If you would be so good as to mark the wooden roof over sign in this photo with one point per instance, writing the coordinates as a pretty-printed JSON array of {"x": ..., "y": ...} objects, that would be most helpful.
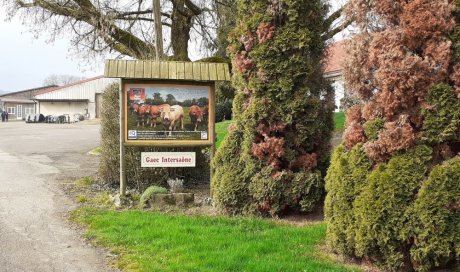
[{"x": 173, "y": 70}]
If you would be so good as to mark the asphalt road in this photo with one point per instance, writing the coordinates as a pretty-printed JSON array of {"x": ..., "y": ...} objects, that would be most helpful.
[{"x": 34, "y": 232}]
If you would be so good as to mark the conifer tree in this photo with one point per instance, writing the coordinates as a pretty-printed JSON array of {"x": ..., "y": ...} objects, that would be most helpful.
[
  {"x": 273, "y": 158},
  {"x": 394, "y": 185}
]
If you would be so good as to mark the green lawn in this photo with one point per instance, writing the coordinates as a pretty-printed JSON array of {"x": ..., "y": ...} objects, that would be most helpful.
[
  {"x": 221, "y": 131},
  {"x": 147, "y": 241},
  {"x": 221, "y": 128},
  {"x": 339, "y": 120}
]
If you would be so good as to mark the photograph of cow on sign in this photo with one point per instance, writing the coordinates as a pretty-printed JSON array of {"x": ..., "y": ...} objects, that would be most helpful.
[{"x": 167, "y": 112}]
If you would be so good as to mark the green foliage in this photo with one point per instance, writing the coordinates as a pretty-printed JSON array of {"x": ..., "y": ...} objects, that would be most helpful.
[
  {"x": 403, "y": 211},
  {"x": 382, "y": 209},
  {"x": 81, "y": 199},
  {"x": 109, "y": 163},
  {"x": 282, "y": 110},
  {"x": 391, "y": 213},
  {"x": 372, "y": 128},
  {"x": 224, "y": 111},
  {"x": 436, "y": 218},
  {"x": 224, "y": 92},
  {"x": 149, "y": 192},
  {"x": 455, "y": 35},
  {"x": 85, "y": 181},
  {"x": 344, "y": 181},
  {"x": 269, "y": 193},
  {"x": 102, "y": 199},
  {"x": 442, "y": 117},
  {"x": 148, "y": 241}
]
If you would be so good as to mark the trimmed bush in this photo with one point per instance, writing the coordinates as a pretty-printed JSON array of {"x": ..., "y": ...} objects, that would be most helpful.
[
  {"x": 382, "y": 209},
  {"x": 344, "y": 181},
  {"x": 401, "y": 212},
  {"x": 277, "y": 149},
  {"x": 436, "y": 219}
]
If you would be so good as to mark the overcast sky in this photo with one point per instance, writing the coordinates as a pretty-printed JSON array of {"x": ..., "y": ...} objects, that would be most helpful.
[{"x": 25, "y": 62}]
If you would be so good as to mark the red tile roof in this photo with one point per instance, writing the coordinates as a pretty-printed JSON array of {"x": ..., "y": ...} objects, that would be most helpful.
[{"x": 335, "y": 58}]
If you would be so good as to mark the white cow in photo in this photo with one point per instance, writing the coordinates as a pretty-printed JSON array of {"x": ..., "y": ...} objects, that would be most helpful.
[{"x": 173, "y": 115}]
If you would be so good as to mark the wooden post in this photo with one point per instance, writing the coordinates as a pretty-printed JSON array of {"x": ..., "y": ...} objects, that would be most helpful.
[
  {"x": 212, "y": 150},
  {"x": 158, "y": 30},
  {"x": 122, "y": 145}
]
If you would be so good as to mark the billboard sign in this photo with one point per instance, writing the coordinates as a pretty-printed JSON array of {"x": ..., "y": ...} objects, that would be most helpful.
[{"x": 169, "y": 114}]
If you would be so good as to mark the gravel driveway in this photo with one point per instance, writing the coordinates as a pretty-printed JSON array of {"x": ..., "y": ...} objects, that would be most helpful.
[{"x": 34, "y": 233}]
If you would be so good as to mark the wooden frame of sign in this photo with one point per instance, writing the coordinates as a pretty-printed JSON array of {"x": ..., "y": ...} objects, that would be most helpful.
[
  {"x": 144, "y": 83},
  {"x": 152, "y": 130}
]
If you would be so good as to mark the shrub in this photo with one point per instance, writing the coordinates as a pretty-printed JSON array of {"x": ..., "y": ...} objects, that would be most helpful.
[
  {"x": 401, "y": 211},
  {"x": 85, "y": 181},
  {"x": 382, "y": 209},
  {"x": 149, "y": 192},
  {"x": 441, "y": 118},
  {"x": 273, "y": 157},
  {"x": 373, "y": 127},
  {"x": 224, "y": 111},
  {"x": 344, "y": 181},
  {"x": 436, "y": 219}
]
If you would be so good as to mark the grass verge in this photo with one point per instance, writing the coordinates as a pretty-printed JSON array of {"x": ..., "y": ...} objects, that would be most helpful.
[
  {"x": 339, "y": 120},
  {"x": 148, "y": 241}
]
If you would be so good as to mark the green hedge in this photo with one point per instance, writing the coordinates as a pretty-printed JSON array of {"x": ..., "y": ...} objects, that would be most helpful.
[{"x": 400, "y": 214}]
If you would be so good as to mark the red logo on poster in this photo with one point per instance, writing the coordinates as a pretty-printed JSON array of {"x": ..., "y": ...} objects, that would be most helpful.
[{"x": 137, "y": 95}]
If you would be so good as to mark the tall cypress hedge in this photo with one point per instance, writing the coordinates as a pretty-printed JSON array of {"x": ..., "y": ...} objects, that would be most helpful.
[
  {"x": 393, "y": 187},
  {"x": 277, "y": 150}
]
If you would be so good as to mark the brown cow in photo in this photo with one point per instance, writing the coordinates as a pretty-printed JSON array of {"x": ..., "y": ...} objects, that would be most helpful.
[
  {"x": 196, "y": 115},
  {"x": 134, "y": 108},
  {"x": 205, "y": 111},
  {"x": 142, "y": 113},
  {"x": 155, "y": 113}
]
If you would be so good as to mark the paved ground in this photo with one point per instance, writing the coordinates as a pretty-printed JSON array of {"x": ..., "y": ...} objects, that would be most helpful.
[{"x": 34, "y": 233}]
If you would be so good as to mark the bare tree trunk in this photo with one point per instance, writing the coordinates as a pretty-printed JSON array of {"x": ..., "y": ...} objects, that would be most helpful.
[
  {"x": 158, "y": 30},
  {"x": 180, "y": 30}
]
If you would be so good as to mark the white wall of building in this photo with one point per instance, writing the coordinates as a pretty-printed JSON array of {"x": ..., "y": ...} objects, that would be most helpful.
[
  {"x": 68, "y": 98},
  {"x": 59, "y": 108}
]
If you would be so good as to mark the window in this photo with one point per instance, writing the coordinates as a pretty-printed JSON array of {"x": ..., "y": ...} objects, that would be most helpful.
[
  {"x": 29, "y": 111},
  {"x": 11, "y": 110}
]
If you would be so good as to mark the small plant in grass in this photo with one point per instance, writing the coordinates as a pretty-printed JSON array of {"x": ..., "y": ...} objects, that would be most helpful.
[
  {"x": 81, "y": 199},
  {"x": 149, "y": 192},
  {"x": 176, "y": 185},
  {"x": 102, "y": 199},
  {"x": 96, "y": 152},
  {"x": 85, "y": 181}
]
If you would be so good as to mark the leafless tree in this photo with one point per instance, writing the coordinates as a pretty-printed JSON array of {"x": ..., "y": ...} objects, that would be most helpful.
[
  {"x": 126, "y": 27},
  {"x": 60, "y": 79}
]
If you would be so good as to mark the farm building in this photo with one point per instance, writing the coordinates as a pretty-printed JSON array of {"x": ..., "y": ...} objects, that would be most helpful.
[
  {"x": 334, "y": 70},
  {"x": 20, "y": 104},
  {"x": 82, "y": 97}
]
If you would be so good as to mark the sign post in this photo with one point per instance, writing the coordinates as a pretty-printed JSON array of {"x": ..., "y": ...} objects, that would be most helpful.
[
  {"x": 122, "y": 149},
  {"x": 166, "y": 104}
]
